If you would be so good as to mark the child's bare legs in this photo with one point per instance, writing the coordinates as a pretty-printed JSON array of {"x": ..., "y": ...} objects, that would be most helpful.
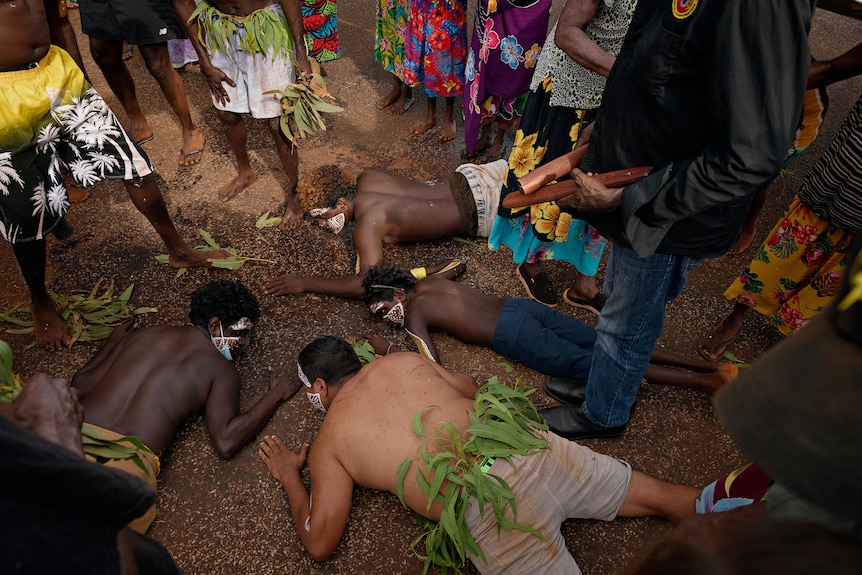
[
  {"x": 447, "y": 131},
  {"x": 429, "y": 121},
  {"x": 236, "y": 138},
  {"x": 290, "y": 162}
]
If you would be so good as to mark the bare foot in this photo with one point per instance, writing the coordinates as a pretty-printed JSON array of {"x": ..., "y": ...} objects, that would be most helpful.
[
  {"x": 423, "y": 126},
  {"x": 447, "y": 132},
  {"x": 389, "y": 98},
  {"x": 404, "y": 102},
  {"x": 141, "y": 134},
  {"x": 745, "y": 238},
  {"x": 77, "y": 195},
  {"x": 236, "y": 185},
  {"x": 51, "y": 332},
  {"x": 192, "y": 150},
  {"x": 292, "y": 214},
  {"x": 712, "y": 346},
  {"x": 192, "y": 258},
  {"x": 279, "y": 460},
  {"x": 495, "y": 150}
]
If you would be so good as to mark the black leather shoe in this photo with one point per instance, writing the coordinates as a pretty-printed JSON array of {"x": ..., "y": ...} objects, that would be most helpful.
[
  {"x": 571, "y": 390},
  {"x": 570, "y": 422}
]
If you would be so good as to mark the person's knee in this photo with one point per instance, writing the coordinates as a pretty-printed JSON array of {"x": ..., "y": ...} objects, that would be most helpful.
[
  {"x": 230, "y": 119},
  {"x": 157, "y": 60},
  {"x": 106, "y": 54}
]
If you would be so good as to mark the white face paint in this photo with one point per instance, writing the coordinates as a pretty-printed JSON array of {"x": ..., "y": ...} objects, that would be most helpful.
[
  {"x": 226, "y": 344},
  {"x": 334, "y": 224},
  {"x": 313, "y": 398},
  {"x": 395, "y": 314}
]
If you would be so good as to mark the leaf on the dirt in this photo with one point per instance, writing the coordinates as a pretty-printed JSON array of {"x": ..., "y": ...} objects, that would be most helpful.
[
  {"x": 265, "y": 221},
  {"x": 364, "y": 351},
  {"x": 733, "y": 359},
  {"x": 466, "y": 241},
  {"x": 507, "y": 366}
]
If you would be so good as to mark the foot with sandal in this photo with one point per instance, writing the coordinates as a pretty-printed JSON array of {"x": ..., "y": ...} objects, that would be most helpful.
[
  {"x": 713, "y": 345},
  {"x": 583, "y": 293}
]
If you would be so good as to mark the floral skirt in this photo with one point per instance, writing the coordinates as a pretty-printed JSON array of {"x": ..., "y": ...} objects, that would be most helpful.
[
  {"x": 545, "y": 231},
  {"x": 797, "y": 271},
  {"x": 390, "y": 34}
]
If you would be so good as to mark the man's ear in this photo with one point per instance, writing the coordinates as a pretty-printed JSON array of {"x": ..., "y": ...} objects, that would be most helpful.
[
  {"x": 213, "y": 327},
  {"x": 342, "y": 204},
  {"x": 320, "y": 386}
]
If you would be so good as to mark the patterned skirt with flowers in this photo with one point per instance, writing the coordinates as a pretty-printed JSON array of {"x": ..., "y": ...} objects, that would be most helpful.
[
  {"x": 320, "y": 24},
  {"x": 545, "y": 231},
  {"x": 435, "y": 48},
  {"x": 797, "y": 270},
  {"x": 390, "y": 33}
]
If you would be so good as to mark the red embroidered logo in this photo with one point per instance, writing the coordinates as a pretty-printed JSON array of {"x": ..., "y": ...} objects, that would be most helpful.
[{"x": 683, "y": 8}]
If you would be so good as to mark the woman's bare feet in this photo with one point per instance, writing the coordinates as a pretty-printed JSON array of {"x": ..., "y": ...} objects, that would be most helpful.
[
  {"x": 495, "y": 150},
  {"x": 423, "y": 126},
  {"x": 236, "y": 185},
  {"x": 447, "y": 131},
  {"x": 50, "y": 330},
  {"x": 403, "y": 103},
  {"x": 389, "y": 98}
]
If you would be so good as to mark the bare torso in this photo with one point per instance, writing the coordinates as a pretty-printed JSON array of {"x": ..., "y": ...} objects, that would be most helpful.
[
  {"x": 145, "y": 383},
  {"x": 457, "y": 309},
  {"x": 24, "y": 34},
  {"x": 401, "y": 210},
  {"x": 368, "y": 427}
]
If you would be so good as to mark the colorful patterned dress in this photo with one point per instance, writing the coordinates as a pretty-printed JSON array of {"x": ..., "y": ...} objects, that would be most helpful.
[
  {"x": 390, "y": 33},
  {"x": 563, "y": 97},
  {"x": 798, "y": 269},
  {"x": 320, "y": 23},
  {"x": 507, "y": 40},
  {"x": 435, "y": 48}
]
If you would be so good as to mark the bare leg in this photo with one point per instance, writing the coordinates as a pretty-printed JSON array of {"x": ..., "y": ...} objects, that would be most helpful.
[
  {"x": 709, "y": 382},
  {"x": 748, "y": 226},
  {"x": 429, "y": 121},
  {"x": 664, "y": 357},
  {"x": 50, "y": 331},
  {"x": 108, "y": 56},
  {"x": 447, "y": 130},
  {"x": 496, "y": 148},
  {"x": 159, "y": 64},
  {"x": 236, "y": 139},
  {"x": 391, "y": 97},
  {"x": 404, "y": 101},
  {"x": 290, "y": 162},
  {"x": 481, "y": 143},
  {"x": 649, "y": 496},
  {"x": 713, "y": 345},
  {"x": 145, "y": 194}
]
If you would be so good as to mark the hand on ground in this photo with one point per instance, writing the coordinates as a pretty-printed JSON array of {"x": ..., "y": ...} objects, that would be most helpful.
[
  {"x": 284, "y": 385},
  {"x": 284, "y": 285},
  {"x": 279, "y": 460}
]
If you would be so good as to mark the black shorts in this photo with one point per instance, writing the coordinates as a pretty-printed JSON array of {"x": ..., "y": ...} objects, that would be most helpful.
[{"x": 139, "y": 22}]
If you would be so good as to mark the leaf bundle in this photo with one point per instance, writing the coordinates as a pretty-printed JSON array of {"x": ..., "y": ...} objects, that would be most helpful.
[
  {"x": 90, "y": 317},
  {"x": 260, "y": 32},
  {"x": 503, "y": 424},
  {"x": 303, "y": 103}
]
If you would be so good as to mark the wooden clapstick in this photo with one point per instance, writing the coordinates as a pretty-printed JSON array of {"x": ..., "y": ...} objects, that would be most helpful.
[
  {"x": 560, "y": 190},
  {"x": 553, "y": 170}
]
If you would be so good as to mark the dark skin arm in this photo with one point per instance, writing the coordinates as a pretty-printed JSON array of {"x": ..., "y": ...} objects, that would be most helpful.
[
  {"x": 293, "y": 13},
  {"x": 230, "y": 429},
  {"x": 572, "y": 39},
  {"x": 215, "y": 76},
  {"x": 826, "y": 72}
]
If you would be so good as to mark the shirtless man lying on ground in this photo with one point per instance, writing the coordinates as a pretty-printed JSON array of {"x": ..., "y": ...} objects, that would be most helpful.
[
  {"x": 145, "y": 383},
  {"x": 520, "y": 329},
  {"x": 388, "y": 208},
  {"x": 367, "y": 437}
]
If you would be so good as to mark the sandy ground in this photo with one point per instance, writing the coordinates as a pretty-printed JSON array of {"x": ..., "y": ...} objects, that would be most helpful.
[{"x": 226, "y": 517}]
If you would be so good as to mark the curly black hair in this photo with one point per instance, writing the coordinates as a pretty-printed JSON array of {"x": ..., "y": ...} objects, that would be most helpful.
[
  {"x": 330, "y": 358},
  {"x": 227, "y": 300},
  {"x": 380, "y": 280},
  {"x": 346, "y": 192}
]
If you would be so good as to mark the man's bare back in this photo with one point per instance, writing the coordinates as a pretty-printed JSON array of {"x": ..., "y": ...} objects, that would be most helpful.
[{"x": 146, "y": 383}]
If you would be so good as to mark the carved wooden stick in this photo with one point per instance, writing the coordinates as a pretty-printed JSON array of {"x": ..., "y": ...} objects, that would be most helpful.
[
  {"x": 551, "y": 171},
  {"x": 560, "y": 190}
]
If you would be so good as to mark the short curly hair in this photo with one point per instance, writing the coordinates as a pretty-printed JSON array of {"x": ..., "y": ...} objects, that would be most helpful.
[
  {"x": 227, "y": 300},
  {"x": 380, "y": 280},
  {"x": 330, "y": 358}
]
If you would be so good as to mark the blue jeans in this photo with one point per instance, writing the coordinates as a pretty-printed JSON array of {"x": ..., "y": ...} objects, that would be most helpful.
[{"x": 630, "y": 324}]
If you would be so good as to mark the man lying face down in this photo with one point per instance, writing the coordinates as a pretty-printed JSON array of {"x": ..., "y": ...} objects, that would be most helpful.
[
  {"x": 367, "y": 438},
  {"x": 387, "y": 208}
]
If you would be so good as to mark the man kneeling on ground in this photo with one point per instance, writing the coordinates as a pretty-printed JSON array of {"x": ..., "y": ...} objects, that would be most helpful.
[
  {"x": 367, "y": 438},
  {"x": 145, "y": 383}
]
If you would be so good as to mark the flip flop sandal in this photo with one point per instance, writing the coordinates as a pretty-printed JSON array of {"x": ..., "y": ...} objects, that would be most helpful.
[
  {"x": 710, "y": 350},
  {"x": 594, "y": 305},
  {"x": 195, "y": 151}
]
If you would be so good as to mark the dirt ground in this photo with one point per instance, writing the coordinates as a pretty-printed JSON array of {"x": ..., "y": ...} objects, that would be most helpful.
[{"x": 227, "y": 517}]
